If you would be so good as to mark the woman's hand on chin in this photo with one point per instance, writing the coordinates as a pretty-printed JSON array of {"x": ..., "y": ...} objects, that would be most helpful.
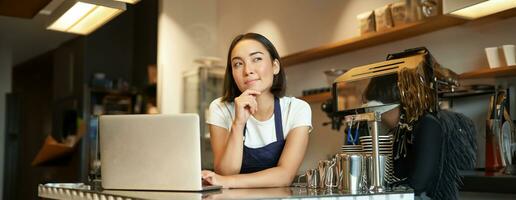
[
  {"x": 245, "y": 105},
  {"x": 215, "y": 179}
]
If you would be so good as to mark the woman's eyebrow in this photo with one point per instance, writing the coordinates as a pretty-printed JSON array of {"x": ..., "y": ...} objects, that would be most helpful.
[
  {"x": 235, "y": 58},
  {"x": 251, "y": 54},
  {"x": 254, "y": 53}
]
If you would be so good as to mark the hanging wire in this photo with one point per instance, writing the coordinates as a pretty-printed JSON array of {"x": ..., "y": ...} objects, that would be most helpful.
[
  {"x": 355, "y": 141},
  {"x": 350, "y": 126}
]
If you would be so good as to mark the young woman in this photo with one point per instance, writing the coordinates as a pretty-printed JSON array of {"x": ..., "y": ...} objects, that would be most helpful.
[{"x": 258, "y": 135}]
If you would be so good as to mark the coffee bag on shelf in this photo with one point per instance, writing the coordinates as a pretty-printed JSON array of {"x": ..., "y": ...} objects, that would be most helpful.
[
  {"x": 383, "y": 18},
  {"x": 399, "y": 13},
  {"x": 422, "y": 9},
  {"x": 367, "y": 22}
]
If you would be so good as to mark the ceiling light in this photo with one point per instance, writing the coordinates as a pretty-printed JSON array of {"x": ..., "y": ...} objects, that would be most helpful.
[
  {"x": 129, "y": 1},
  {"x": 84, "y": 16},
  {"x": 472, "y": 9}
]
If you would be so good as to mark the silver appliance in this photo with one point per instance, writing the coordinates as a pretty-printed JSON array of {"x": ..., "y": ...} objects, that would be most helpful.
[{"x": 201, "y": 86}]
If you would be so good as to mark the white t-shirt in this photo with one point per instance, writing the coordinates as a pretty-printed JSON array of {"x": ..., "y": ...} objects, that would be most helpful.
[{"x": 294, "y": 113}]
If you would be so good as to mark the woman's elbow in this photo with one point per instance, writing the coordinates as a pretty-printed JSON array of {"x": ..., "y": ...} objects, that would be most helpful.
[
  {"x": 217, "y": 170},
  {"x": 225, "y": 172},
  {"x": 287, "y": 179},
  {"x": 287, "y": 182}
]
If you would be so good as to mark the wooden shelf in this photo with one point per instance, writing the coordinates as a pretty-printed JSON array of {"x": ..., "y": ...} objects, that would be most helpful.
[
  {"x": 490, "y": 73},
  {"x": 314, "y": 98},
  {"x": 372, "y": 39}
]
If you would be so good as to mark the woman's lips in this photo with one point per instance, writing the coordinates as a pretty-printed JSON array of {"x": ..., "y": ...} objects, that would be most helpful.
[{"x": 249, "y": 82}]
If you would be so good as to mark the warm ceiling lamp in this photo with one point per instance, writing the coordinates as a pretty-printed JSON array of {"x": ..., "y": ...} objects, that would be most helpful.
[
  {"x": 472, "y": 9},
  {"x": 84, "y": 16},
  {"x": 129, "y": 1}
]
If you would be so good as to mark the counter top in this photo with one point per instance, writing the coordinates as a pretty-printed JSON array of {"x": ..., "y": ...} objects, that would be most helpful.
[
  {"x": 81, "y": 191},
  {"x": 494, "y": 182}
]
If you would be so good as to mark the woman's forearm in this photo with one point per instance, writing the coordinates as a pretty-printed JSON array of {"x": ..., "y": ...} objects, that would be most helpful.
[
  {"x": 231, "y": 159},
  {"x": 272, "y": 177}
]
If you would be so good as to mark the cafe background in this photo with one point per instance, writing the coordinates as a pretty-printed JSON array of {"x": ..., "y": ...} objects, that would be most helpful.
[{"x": 48, "y": 73}]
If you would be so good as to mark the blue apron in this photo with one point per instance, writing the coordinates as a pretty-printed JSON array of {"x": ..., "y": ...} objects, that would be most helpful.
[{"x": 258, "y": 159}]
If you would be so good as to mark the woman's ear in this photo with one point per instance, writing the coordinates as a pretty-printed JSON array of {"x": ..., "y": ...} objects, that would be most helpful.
[{"x": 276, "y": 66}]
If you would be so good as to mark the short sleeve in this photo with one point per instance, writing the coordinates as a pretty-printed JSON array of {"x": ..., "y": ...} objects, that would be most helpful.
[
  {"x": 216, "y": 115},
  {"x": 301, "y": 115}
]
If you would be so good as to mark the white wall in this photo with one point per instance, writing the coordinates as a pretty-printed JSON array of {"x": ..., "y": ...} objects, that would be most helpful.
[
  {"x": 294, "y": 26},
  {"x": 291, "y": 25},
  {"x": 186, "y": 31},
  {"x": 5, "y": 87}
]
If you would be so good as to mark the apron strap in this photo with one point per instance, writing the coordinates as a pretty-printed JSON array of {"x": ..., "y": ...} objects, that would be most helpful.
[{"x": 277, "y": 120}]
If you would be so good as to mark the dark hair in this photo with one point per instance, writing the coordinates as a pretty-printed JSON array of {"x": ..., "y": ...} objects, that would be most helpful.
[
  {"x": 279, "y": 82},
  {"x": 384, "y": 89}
]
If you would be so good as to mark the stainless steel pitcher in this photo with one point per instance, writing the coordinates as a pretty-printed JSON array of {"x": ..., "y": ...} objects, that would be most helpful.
[
  {"x": 312, "y": 178},
  {"x": 327, "y": 173},
  {"x": 351, "y": 171},
  {"x": 383, "y": 169}
]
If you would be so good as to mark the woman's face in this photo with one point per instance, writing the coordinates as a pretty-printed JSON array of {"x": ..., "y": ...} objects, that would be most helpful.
[
  {"x": 252, "y": 66},
  {"x": 391, "y": 118}
]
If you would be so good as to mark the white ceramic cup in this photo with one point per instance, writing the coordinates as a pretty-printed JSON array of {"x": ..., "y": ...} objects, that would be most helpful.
[
  {"x": 493, "y": 57},
  {"x": 510, "y": 56}
]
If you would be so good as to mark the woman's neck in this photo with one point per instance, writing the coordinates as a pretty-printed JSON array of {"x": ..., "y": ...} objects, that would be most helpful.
[{"x": 265, "y": 103}]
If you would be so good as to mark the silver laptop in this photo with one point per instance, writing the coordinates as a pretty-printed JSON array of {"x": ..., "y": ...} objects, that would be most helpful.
[{"x": 151, "y": 152}]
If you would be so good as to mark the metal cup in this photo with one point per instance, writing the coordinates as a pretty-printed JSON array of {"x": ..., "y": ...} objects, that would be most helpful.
[
  {"x": 312, "y": 178},
  {"x": 331, "y": 177},
  {"x": 327, "y": 173},
  {"x": 370, "y": 169},
  {"x": 351, "y": 171}
]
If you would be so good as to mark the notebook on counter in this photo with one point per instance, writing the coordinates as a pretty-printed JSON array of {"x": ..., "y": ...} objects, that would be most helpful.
[{"x": 151, "y": 152}]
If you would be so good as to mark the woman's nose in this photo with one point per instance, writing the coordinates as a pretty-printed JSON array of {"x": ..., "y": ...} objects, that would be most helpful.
[{"x": 248, "y": 69}]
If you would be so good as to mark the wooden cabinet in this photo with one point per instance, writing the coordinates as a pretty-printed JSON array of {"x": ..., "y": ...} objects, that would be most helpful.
[
  {"x": 68, "y": 69},
  {"x": 33, "y": 83}
]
